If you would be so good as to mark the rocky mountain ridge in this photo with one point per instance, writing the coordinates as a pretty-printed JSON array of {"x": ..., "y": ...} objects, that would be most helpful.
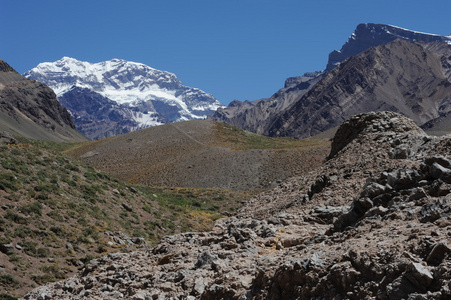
[
  {"x": 372, "y": 222},
  {"x": 29, "y": 108},
  {"x": 263, "y": 116},
  {"x": 151, "y": 97},
  {"x": 368, "y": 35},
  {"x": 401, "y": 76}
]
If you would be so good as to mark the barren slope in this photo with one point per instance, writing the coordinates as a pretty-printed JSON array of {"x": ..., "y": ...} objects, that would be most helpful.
[{"x": 202, "y": 154}]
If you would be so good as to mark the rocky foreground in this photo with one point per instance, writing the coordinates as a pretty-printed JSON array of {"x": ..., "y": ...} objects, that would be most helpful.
[{"x": 374, "y": 222}]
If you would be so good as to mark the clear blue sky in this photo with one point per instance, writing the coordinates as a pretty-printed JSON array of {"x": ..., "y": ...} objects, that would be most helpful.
[{"x": 233, "y": 49}]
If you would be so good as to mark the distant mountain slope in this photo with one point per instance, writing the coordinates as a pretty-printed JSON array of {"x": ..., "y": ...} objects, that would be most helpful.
[
  {"x": 401, "y": 76},
  {"x": 30, "y": 109},
  {"x": 155, "y": 97},
  {"x": 254, "y": 116},
  {"x": 201, "y": 153},
  {"x": 258, "y": 116}
]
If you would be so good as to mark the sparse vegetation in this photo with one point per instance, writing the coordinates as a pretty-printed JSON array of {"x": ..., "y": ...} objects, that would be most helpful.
[
  {"x": 4, "y": 296},
  {"x": 240, "y": 139},
  {"x": 58, "y": 210},
  {"x": 8, "y": 280}
]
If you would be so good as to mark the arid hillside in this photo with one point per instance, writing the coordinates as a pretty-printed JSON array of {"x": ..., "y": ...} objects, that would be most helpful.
[
  {"x": 373, "y": 222},
  {"x": 57, "y": 214},
  {"x": 202, "y": 154}
]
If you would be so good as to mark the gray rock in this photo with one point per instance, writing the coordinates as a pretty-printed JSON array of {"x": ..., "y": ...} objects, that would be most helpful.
[
  {"x": 439, "y": 172},
  {"x": 438, "y": 253},
  {"x": 441, "y": 160},
  {"x": 419, "y": 276},
  {"x": 204, "y": 260},
  {"x": 6, "y": 248}
]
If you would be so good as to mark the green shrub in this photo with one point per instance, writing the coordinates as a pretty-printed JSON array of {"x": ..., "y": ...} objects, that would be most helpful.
[
  {"x": 22, "y": 232},
  {"x": 4, "y": 240},
  {"x": 147, "y": 208},
  {"x": 90, "y": 176},
  {"x": 48, "y": 188},
  {"x": 2, "y": 224},
  {"x": 59, "y": 231},
  {"x": 15, "y": 217},
  {"x": 7, "y": 297},
  {"x": 73, "y": 168},
  {"x": 29, "y": 247},
  {"x": 55, "y": 215},
  {"x": 8, "y": 182},
  {"x": 43, "y": 252},
  {"x": 34, "y": 208},
  {"x": 8, "y": 280}
]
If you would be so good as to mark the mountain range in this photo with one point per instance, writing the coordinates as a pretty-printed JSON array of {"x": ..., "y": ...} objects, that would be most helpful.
[
  {"x": 365, "y": 216},
  {"x": 370, "y": 72},
  {"x": 118, "y": 96}
]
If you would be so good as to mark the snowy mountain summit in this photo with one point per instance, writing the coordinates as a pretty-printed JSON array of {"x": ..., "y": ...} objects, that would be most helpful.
[{"x": 118, "y": 96}]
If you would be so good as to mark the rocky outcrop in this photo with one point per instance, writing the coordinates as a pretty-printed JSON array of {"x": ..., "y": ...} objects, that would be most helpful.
[
  {"x": 364, "y": 124},
  {"x": 372, "y": 222}
]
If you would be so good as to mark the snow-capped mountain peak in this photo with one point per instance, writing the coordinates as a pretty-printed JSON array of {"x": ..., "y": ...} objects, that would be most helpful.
[{"x": 132, "y": 84}]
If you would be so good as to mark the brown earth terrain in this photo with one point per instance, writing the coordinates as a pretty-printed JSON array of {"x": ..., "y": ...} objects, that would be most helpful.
[
  {"x": 202, "y": 154},
  {"x": 372, "y": 222}
]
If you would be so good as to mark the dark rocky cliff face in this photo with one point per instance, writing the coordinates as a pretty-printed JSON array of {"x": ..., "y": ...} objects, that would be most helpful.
[
  {"x": 368, "y": 35},
  {"x": 401, "y": 76},
  {"x": 23, "y": 98}
]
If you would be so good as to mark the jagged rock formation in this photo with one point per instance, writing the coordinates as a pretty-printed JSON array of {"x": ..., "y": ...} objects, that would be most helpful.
[
  {"x": 372, "y": 222},
  {"x": 30, "y": 109},
  {"x": 144, "y": 96},
  {"x": 402, "y": 76}
]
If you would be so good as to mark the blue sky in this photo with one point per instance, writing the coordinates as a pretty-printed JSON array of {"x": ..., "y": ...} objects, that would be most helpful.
[{"x": 235, "y": 49}]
